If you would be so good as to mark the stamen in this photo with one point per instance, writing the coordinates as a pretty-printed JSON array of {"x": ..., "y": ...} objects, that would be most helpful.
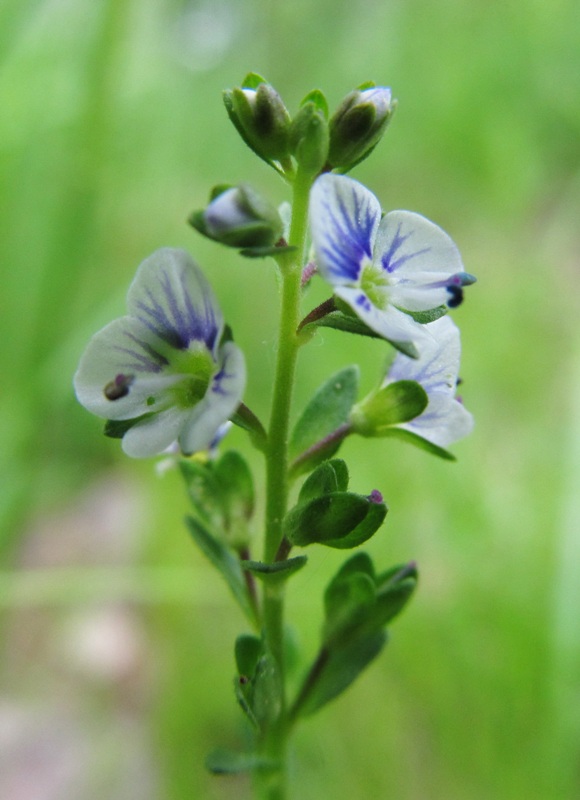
[
  {"x": 118, "y": 387},
  {"x": 456, "y": 298}
]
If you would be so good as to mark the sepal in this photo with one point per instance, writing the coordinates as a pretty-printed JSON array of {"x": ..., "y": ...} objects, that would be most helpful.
[{"x": 390, "y": 405}]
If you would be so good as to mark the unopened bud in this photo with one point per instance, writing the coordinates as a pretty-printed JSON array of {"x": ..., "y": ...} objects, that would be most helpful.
[
  {"x": 261, "y": 118},
  {"x": 239, "y": 217},
  {"x": 358, "y": 124},
  {"x": 309, "y": 138}
]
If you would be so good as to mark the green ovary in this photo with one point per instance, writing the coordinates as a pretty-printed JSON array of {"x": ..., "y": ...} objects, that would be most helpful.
[
  {"x": 374, "y": 283},
  {"x": 197, "y": 367}
]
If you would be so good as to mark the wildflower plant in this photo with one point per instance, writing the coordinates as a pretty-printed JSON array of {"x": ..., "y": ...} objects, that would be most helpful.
[{"x": 169, "y": 376}]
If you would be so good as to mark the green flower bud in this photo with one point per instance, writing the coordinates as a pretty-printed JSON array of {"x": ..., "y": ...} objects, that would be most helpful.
[
  {"x": 358, "y": 124},
  {"x": 239, "y": 217},
  {"x": 309, "y": 138},
  {"x": 260, "y": 117}
]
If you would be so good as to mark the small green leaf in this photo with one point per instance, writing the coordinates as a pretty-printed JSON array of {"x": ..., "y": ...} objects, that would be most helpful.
[
  {"x": 418, "y": 441},
  {"x": 318, "y": 99},
  {"x": 225, "y": 562},
  {"x": 252, "y": 81},
  {"x": 266, "y": 702},
  {"x": 327, "y": 410},
  {"x": 347, "y": 606},
  {"x": 359, "y": 562},
  {"x": 336, "y": 669},
  {"x": 246, "y": 419},
  {"x": 330, "y": 476},
  {"x": 117, "y": 428},
  {"x": 425, "y": 317},
  {"x": 337, "y": 519},
  {"x": 233, "y": 474},
  {"x": 275, "y": 570},
  {"x": 228, "y": 762},
  {"x": 204, "y": 491},
  {"x": 247, "y": 651}
]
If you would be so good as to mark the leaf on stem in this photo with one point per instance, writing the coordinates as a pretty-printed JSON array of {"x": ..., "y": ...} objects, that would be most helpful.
[{"x": 225, "y": 562}]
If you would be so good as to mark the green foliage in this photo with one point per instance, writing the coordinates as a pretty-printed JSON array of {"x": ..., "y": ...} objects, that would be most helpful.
[
  {"x": 327, "y": 514},
  {"x": 327, "y": 411},
  {"x": 225, "y": 562},
  {"x": 358, "y": 604},
  {"x": 222, "y": 493},
  {"x": 275, "y": 571},
  {"x": 394, "y": 403},
  {"x": 330, "y": 476}
]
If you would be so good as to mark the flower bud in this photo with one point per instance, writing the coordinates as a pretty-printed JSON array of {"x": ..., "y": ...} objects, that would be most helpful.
[
  {"x": 309, "y": 138},
  {"x": 239, "y": 217},
  {"x": 260, "y": 117},
  {"x": 358, "y": 124}
]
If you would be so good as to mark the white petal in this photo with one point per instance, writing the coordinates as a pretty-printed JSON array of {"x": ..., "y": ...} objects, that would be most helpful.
[
  {"x": 344, "y": 217},
  {"x": 437, "y": 367},
  {"x": 171, "y": 296},
  {"x": 155, "y": 434},
  {"x": 419, "y": 259},
  {"x": 123, "y": 348},
  {"x": 390, "y": 323},
  {"x": 222, "y": 399},
  {"x": 443, "y": 422}
]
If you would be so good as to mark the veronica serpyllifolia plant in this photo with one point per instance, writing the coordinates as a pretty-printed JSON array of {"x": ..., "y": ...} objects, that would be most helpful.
[{"x": 168, "y": 376}]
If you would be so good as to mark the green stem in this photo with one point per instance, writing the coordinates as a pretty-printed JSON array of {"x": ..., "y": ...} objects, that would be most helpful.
[{"x": 271, "y": 783}]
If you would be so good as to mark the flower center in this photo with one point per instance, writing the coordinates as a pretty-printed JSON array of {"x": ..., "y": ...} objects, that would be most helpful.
[
  {"x": 197, "y": 367},
  {"x": 374, "y": 282}
]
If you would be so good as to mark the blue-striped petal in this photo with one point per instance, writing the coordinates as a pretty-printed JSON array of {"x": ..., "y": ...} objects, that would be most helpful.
[
  {"x": 171, "y": 296},
  {"x": 344, "y": 217},
  {"x": 420, "y": 260},
  {"x": 445, "y": 420}
]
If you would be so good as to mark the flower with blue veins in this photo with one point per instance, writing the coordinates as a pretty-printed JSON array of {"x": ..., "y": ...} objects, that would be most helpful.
[
  {"x": 164, "y": 373},
  {"x": 445, "y": 419},
  {"x": 387, "y": 269}
]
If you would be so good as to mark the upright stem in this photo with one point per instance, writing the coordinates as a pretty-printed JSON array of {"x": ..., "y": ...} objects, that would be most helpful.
[{"x": 271, "y": 783}]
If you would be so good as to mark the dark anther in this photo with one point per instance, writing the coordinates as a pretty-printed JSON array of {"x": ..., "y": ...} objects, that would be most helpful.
[
  {"x": 456, "y": 298},
  {"x": 118, "y": 387}
]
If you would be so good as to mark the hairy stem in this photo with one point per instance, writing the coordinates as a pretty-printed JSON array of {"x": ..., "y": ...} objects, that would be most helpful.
[{"x": 271, "y": 783}]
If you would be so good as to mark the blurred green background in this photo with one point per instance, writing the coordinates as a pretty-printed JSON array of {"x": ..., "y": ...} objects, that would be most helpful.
[{"x": 116, "y": 636}]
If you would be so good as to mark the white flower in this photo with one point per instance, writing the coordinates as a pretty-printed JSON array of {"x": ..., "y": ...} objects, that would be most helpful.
[
  {"x": 163, "y": 368},
  {"x": 382, "y": 267},
  {"x": 444, "y": 420}
]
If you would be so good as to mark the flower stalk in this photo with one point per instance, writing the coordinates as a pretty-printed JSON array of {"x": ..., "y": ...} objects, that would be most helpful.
[{"x": 277, "y": 462}]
